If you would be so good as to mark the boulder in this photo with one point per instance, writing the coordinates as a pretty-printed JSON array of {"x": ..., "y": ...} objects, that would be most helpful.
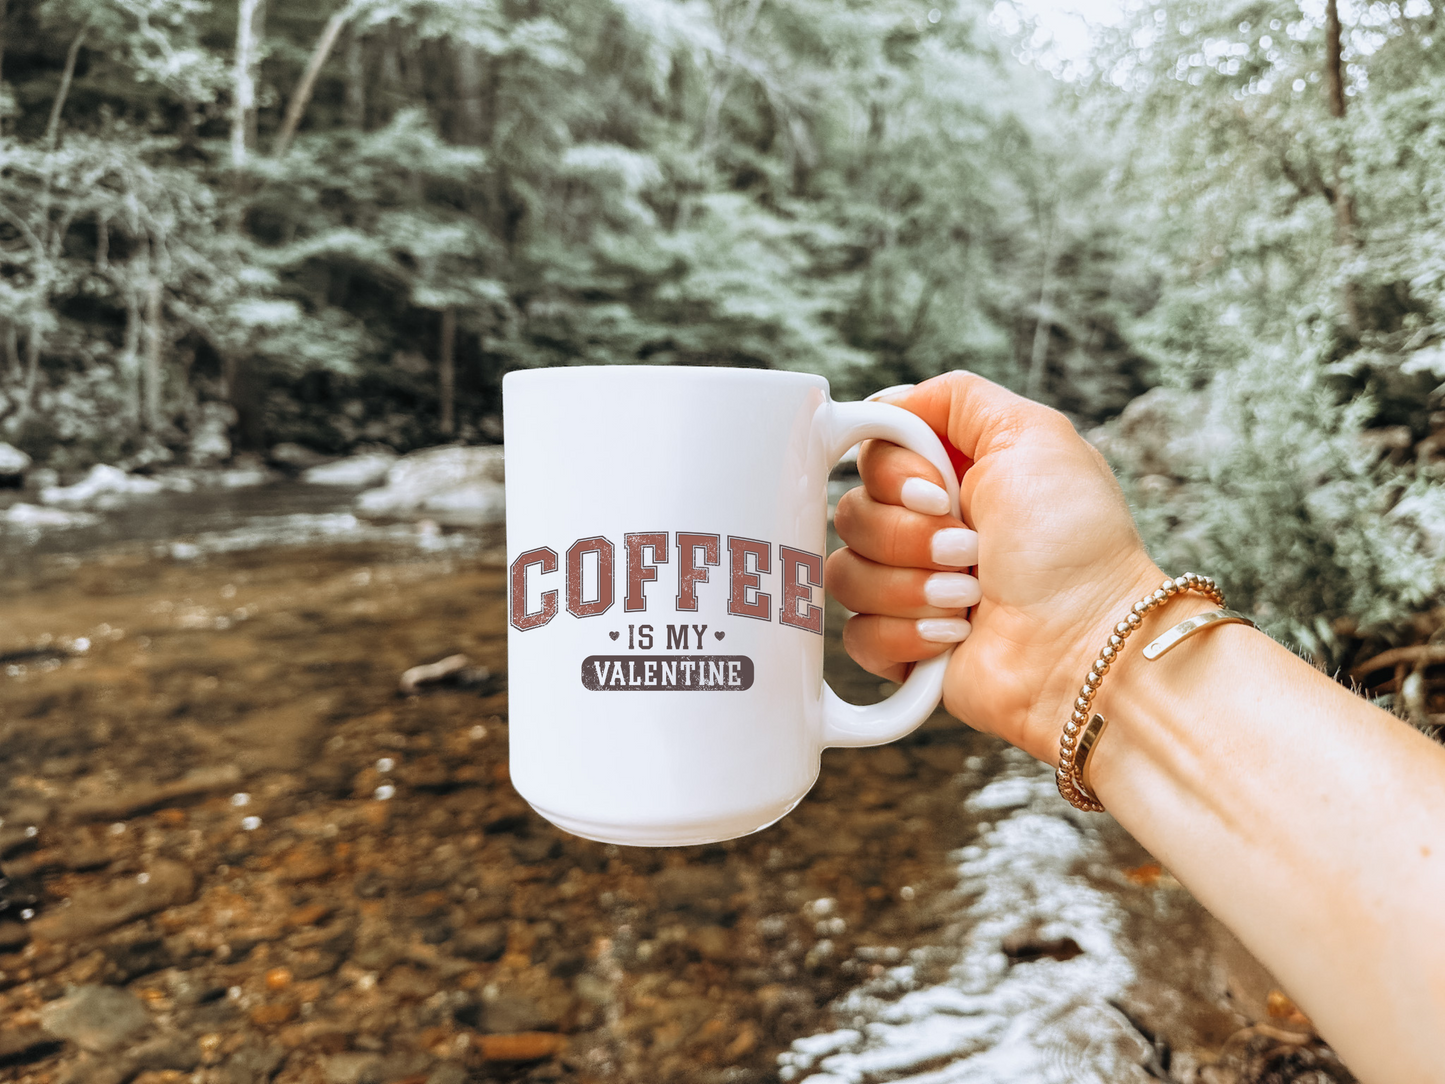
[
  {"x": 460, "y": 486},
  {"x": 211, "y": 435},
  {"x": 358, "y": 470},
  {"x": 104, "y": 487},
  {"x": 1164, "y": 433},
  {"x": 13, "y": 465},
  {"x": 297, "y": 456},
  {"x": 96, "y": 1018},
  {"x": 32, "y": 517}
]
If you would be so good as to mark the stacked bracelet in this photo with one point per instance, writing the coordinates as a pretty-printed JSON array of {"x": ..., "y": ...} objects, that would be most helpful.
[{"x": 1082, "y": 730}]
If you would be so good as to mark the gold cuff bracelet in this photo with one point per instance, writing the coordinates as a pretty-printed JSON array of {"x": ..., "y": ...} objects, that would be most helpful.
[{"x": 1083, "y": 728}]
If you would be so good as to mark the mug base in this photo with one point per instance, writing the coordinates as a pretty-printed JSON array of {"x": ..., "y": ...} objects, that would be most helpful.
[{"x": 671, "y": 835}]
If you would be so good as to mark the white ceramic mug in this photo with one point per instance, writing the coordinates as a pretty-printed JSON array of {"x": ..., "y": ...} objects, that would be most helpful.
[{"x": 666, "y": 529}]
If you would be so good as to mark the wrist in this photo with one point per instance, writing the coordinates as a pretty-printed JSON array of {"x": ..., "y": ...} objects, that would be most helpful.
[
  {"x": 1097, "y": 608},
  {"x": 1126, "y": 668}
]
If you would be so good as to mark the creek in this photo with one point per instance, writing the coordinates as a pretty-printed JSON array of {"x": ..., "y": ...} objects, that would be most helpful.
[{"x": 217, "y": 800}]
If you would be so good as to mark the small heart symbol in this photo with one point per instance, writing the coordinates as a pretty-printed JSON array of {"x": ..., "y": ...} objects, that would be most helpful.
[
  {"x": 614, "y": 635},
  {"x": 719, "y": 635}
]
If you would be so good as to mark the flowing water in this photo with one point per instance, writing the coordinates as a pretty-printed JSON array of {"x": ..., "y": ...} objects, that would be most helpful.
[{"x": 215, "y": 799}]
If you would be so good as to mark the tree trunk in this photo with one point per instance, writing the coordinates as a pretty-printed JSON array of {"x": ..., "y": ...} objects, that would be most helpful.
[
  {"x": 243, "y": 83},
  {"x": 1344, "y": 203},
  {"x": 355, "y": 82},
  {"x": 31, "y": 376},
  {"x": 151, "y": 417},
  {"x": 304, "y": 89},
  {"x": 390, "y": 72},
  {"x": 1044, "y": 325},
  {"x": 130, "y": 346},
  {"x": 446, "y": 370},
  {"x": 469, "y": 95},
  {"x": 4, "y": 27},
  {"x": 14, "y": 370},
  {"x": 243, "y": 391},
  {"x": 1334, "y": 60}
]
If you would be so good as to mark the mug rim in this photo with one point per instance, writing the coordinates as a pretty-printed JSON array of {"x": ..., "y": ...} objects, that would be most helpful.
[{"x": 567, "y": 373}]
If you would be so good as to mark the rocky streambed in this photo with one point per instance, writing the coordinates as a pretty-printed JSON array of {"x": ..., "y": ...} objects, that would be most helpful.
[{"x": 234, "y": 851}]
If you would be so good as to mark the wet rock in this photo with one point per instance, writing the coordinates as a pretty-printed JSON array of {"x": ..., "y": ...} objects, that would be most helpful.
[
  {"x": 371, "y": 885},
  {"x": 13, "y": 935},
  {"x": 704, "y": 890},
  {"x": 297, "y": 457},
  {"x": 15, "y": 838},
  {"x": 353, "y": 1068},
  {"x": 100, "y": 1019},
  {"x": 947, "y": 758},
  {"x": 505, "y": 1014},
  {"x": 532, "y": 849},
  {"x": 77, "y": 856},
  {"x": 526, "y": 1046},
  {"x": 170, "y": 1051},
  {"x": 164, "y": 885},
  {"x": 409, "y": 984},
  {"x": 448, "y": 1073},
  {"x": 145, "y": 796},
  {"x": 13, "y": 465},
  {"x": 255, "y": 1064},
  {"x": 131, "y": 960},
  {"x": 890, "y": 760},
  {"x": 453, "y": 485},
  {"x": 711, "y": 942},
  {"x": 92, "y": 1070},
  {"x": 357, "y": 470},
  {"x": 18, "y": 1045}
]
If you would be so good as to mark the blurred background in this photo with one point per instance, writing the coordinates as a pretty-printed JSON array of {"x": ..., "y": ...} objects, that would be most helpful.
[{"x": 262, "y": 268}]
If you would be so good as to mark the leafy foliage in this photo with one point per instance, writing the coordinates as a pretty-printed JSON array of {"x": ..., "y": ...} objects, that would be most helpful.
[{"x": 337, "y": 216}]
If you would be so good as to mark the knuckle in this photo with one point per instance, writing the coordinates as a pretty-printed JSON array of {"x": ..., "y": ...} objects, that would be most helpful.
[{"x": 845, "y": 516}]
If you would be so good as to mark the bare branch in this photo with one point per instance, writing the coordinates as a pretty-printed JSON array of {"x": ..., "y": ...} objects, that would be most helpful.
[
  {"x": 52, "y": 130},
  {"x": 7, "y": 215},
  {"x": 302, "y": 96}
]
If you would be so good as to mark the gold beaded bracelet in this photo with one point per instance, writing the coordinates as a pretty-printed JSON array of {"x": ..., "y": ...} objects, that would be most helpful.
[{"x": 1082, "y": 731}]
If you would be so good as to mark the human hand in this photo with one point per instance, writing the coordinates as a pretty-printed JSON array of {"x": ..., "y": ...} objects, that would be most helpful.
[{"x": 1059, "y": 559}]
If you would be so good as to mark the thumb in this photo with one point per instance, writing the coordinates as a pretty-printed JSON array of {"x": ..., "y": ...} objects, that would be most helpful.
[{"x": 977, "y": 416}]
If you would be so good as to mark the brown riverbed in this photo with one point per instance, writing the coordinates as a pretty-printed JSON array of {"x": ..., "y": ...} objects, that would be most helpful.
[{"x": 216, "y": 800}]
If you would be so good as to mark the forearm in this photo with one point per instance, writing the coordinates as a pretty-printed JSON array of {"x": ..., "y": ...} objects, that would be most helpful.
[{"x": 1308, "y": 821}]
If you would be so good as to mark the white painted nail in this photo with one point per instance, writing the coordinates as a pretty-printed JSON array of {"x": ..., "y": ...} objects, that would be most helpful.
[
  {"x": 951, "y": 590},
  {"x": 956, "y": 546},
  {"x": 886, "y": 394},
  {"x": 925, "y": 497},
  {"x": 943, "y": 630}
]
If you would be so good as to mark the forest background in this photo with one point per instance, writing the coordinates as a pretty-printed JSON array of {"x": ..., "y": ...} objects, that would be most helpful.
[{"x": 226, "y": 224}]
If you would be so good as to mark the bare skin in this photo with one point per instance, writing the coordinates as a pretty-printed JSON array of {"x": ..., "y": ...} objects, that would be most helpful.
[{"x": 1307, "y": 820}]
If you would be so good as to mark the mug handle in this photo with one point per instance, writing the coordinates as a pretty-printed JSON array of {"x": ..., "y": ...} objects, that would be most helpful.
[{"x": 846, "y": 724}]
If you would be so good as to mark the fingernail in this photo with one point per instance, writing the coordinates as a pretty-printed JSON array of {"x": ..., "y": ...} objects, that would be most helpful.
[
  {"x": 943, "y": 630},
  {"x": 951, "y": 590},
  {"x": 925, "y": 497},
  {"x": 890, "y": 393},
  {"x": 955, "y": 546}
]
